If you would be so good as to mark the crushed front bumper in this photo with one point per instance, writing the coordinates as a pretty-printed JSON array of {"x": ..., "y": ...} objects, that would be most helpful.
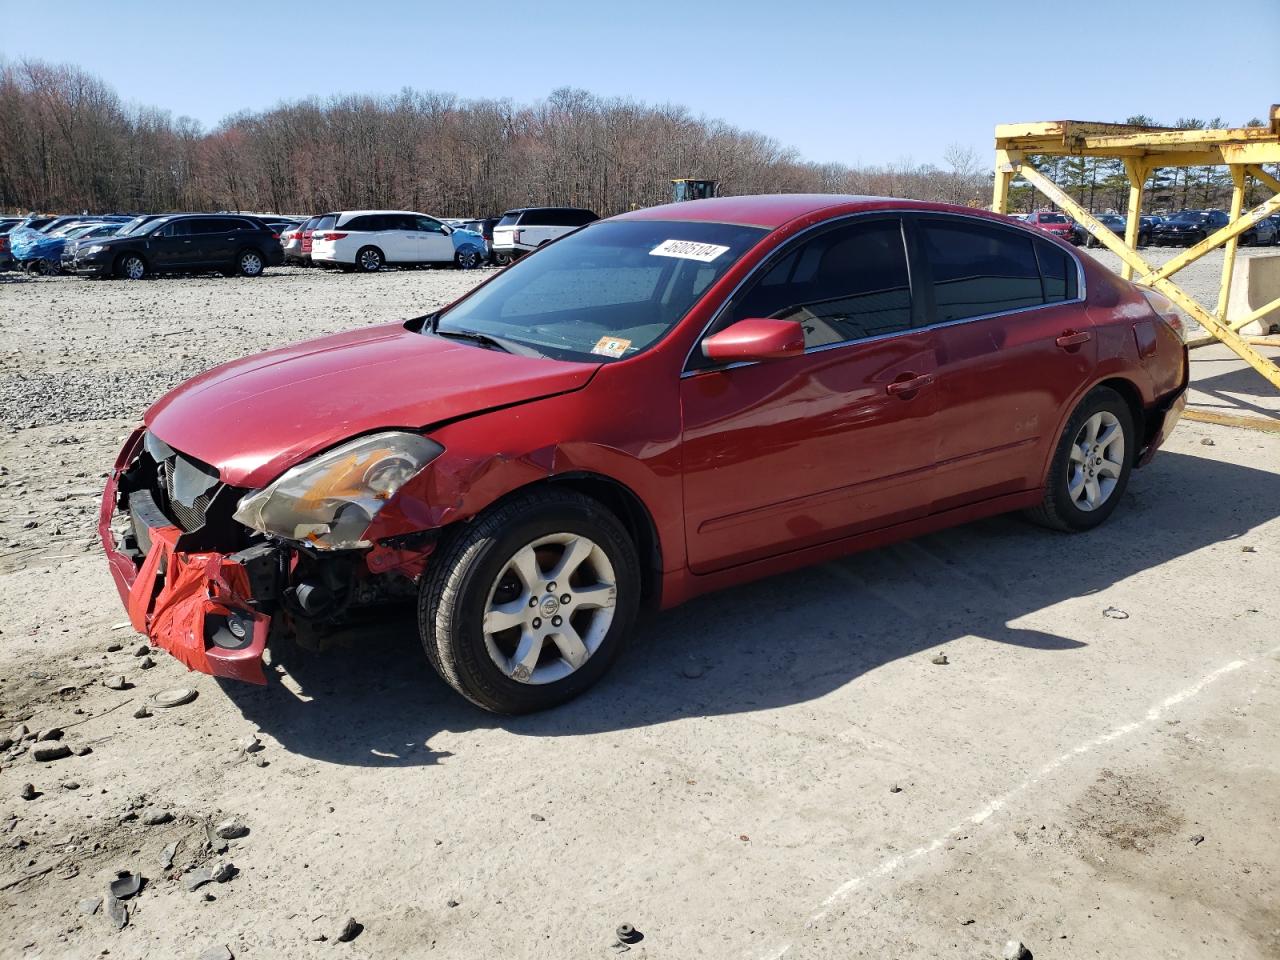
[{"x": 199, "y": 606}]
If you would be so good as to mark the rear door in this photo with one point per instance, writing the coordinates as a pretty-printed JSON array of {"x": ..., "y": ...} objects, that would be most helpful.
[
  {"x": 1015, "y": 345},
  {"x": 785, "y": 454},
  {"x": 399, "y": 238}
]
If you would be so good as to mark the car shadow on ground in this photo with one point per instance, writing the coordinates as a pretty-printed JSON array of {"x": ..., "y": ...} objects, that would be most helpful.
[{"x": 785, "y": 640}]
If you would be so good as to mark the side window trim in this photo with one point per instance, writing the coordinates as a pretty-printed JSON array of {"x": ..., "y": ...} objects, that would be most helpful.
[
  {"x": 917, "y": 278},
  {"x": 927, "y": 275}
]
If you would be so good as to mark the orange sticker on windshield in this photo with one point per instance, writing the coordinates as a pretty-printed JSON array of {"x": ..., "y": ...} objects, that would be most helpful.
[{"x": 611, "y": 347}]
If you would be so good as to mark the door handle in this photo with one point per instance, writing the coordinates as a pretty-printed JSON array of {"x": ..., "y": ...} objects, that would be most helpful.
[
  {"x": 1073, "y": 339},
  {"x": 911, "y": 384}
]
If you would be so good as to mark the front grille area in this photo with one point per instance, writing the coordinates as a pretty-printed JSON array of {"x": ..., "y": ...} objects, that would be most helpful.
[
  {"x": 188, "y": 517},
  {"x": 181, "y": 486}
]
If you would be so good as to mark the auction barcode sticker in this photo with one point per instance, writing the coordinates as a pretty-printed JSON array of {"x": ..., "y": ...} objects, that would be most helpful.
[{"x": 688, "y": 250}]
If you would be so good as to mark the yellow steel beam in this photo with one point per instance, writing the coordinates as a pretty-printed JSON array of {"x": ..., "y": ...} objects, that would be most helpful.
[
  {"x": 1214, "y": 240},
  {"x": 1179, "y": 138},
  {"x": 1170, "y": 289},
  {"x": 1263, "y": 177},
  {"x": 1004, "y": 176},
  {"x": 1137, "y": 171},
  {"x": 1229, "y": 252}
]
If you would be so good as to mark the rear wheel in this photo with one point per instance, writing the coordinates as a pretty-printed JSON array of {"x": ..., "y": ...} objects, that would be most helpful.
[
  {"x": 369, "y": 260},
  {"x": 502, "y": 259},
  {"x": 250, "y": 263},
  {"x": 1091, "y": 464},
  {"x": 528, "y": 606},
  {"x": 131, "y": 267}
]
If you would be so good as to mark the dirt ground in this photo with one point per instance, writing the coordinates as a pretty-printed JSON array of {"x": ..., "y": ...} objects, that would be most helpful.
[{"x": 776, "y": 771}]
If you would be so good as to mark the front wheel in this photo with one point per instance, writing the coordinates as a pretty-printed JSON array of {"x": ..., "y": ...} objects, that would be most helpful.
[
  {"x": 131, "y": 267},
  {"x": 1091, "y": 464},
  {"x": 528, "y": 606},
  {"x": 468, "y": 258}
]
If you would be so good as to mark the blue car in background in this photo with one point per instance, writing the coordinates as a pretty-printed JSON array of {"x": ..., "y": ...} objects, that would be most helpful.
[{"x": 41, "y": 252}]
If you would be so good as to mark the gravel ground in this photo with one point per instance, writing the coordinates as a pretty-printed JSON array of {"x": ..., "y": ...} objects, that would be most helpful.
[{"x": 776, "y": 771}]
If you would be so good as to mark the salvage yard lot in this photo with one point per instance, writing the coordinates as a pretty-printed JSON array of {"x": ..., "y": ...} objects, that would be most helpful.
[{"x": 778, "y": 770}]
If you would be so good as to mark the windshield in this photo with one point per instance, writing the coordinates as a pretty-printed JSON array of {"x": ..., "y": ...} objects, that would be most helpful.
[
  {"x": 1189, "y": 216},
  {"x": 603, "y": 293},
  {"x": 1052, "y": 218}
]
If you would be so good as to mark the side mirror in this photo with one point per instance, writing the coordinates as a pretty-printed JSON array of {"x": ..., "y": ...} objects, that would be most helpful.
[{"x": 756, "y": 338}]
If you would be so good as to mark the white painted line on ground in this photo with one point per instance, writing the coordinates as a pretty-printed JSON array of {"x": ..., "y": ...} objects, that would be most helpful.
[{"x": 994, "y": 806}]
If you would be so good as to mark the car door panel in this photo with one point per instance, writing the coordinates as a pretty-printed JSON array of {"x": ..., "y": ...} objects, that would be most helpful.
[
  {"x": 790, "y": 453},
  {"x": 434, "y": 244},
  {"x": 1004, "y": 373}
]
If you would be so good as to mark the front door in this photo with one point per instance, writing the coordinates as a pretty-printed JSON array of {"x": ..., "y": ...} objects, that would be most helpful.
[
  {"x": 1014, "y": 346},
  {"x": 785, "y": 454}
]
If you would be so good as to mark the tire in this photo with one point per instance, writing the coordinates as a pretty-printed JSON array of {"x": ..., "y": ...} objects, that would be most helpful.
[
  {"x": 131, "y": 266},
  {"x": 502, "y": 259},
  {"x": 1073, "y": 477},
  {"x": 468, "y": 258},
  {"x": 369, "y": 260},
  {"x": 475, "y": 567},
  {"x": 249, "y": 263}
]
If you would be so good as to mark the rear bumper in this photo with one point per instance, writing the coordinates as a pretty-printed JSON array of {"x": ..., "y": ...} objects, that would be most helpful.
[
  {"x": 199, "y": 607},
  {"x": 1165, "y": 417}
]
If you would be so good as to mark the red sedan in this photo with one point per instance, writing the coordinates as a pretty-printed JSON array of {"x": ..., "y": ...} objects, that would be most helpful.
[{"x": 661, "y": 404}]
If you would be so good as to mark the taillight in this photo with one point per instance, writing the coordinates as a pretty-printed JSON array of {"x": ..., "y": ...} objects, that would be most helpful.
[
  {"x": 515, "y": 236},
  {"x": 275, "y": 236},
  {"x": 1166, "y": 311},
  {"x": 329, "y": 236}
]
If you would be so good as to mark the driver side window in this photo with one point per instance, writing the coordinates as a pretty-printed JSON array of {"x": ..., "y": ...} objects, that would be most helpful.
[
  {"x": 846, "y": 284},
  {"x": 428, "y": 225}
]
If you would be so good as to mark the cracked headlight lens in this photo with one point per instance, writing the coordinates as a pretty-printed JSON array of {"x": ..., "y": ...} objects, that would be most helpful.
[{"x": 330, "y": 500}]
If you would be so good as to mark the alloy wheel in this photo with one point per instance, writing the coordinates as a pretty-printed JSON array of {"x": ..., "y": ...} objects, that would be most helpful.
[
  {"x": 370, "y": 261},
  {"x": 549, "y": 608},
  {"x": 250, "y": 264},
  {"x": 1096, "y": 461},
  {"x": 134, "y": 268}
]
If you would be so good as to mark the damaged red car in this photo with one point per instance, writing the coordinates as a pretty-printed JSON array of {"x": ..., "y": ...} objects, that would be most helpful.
[{"x": 672, "y": 401}]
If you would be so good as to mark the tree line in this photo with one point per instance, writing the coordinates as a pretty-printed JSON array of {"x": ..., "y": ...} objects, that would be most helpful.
[{"x": 69, "y": 143}]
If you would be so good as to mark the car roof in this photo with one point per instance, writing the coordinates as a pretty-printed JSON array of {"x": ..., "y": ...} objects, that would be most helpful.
[
  {"x": 356, "y": 213},
  {"x": 508, "y": 213},
  {"x": 774, "y": 210}
]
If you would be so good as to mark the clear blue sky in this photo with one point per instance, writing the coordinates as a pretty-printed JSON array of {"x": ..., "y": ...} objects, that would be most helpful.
[{"x": 851, "y": 82}]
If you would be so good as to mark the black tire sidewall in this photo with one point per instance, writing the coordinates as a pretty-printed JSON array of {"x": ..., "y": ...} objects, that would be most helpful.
[
  {"x": 452, "y": 622},
  {"x": 1098, "y": 400}
]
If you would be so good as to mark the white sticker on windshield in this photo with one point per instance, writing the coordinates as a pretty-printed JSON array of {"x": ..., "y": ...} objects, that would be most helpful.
[{"x": 688, "y": 250}]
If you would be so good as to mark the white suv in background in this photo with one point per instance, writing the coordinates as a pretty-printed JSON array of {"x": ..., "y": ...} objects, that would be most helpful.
[
  {"x": 528, "y": 228},
  {"x": 366, "y": 240}
]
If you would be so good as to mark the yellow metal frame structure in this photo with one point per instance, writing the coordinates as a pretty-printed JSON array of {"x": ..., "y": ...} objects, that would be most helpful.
[{"x": 1242, "y": 149}]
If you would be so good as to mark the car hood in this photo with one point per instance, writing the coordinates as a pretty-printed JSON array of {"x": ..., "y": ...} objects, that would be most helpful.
[{"x": 254, "y": 418}]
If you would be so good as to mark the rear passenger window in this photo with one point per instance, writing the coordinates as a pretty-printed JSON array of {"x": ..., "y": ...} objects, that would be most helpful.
[
  {"x": 979, "y": 270},
  {"x": 847, "y": 284},
  {"x": 1057, "y": 270}
]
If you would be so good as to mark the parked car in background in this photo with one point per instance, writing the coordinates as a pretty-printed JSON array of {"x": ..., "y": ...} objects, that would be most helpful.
[
  {"x": 527, "y": 228},
  {"x": 1146, "y": 225},
  {"x": 1113, "y": 222},
  {"x": 812, "y": 375},
  {"x": 1275, "y": 222},
  {"x": 483, "y": 226},
  {"x": 86, "y": 235},
  {"x": 1188, "y": 228},
  {"x": 291, "y": 241},
  {"x": 182, "y": 243},
  {"x": 368, "y": 240},
  {"x": 1052, "y": 223},
  {"x": 1261, "y": 234},
  {"x": 309, "y": 229}
]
